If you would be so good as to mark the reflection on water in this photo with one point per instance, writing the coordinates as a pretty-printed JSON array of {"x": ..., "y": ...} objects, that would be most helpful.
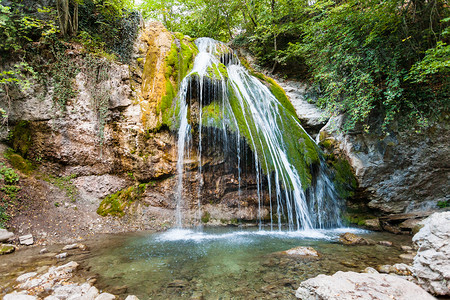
[{"x": 227, "y": 263}]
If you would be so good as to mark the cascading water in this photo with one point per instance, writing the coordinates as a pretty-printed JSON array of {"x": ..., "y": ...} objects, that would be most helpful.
[{"x": 242, "y": 110}]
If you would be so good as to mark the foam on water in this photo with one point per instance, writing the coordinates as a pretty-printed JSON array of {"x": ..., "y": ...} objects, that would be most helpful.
[{"x": 179, "y": 234}]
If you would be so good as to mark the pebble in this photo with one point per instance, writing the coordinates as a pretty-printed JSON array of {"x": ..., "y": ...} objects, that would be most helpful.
[
  {"x": 105, "y": 296},
  {"x": 61, "y": 255},
  {"x": 44, "y": 250},
  {"x": 407, "y": 256},
  {"x": 385, "y": 243},
  {"x": 26, "y": 240}
]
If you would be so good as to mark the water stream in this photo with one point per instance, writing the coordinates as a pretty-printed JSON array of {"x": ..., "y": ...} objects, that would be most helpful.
[{"x": 242, "y": 110}]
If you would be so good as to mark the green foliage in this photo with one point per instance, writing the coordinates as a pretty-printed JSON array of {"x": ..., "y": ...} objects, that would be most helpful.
[
  {"x": 17, "y": 27},
  {"x": 206, "y": 216},
  {"x": 116, "y": 203},
  {"x": 8, "y": 174},
  {"x": 65, "y": 184},
  {"x": 109, "y": 25},
  {"x": 443, "y": 204}
]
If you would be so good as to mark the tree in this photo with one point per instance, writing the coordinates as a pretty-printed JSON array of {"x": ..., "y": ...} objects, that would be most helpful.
[{"x": 68, "y": 22}]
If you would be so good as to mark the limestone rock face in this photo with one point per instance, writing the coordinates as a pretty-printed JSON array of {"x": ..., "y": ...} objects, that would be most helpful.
[
  {"x": 399, "y": 172},
  {"x": 431, "y": 265},
  {"x": 364, "y": 286}
]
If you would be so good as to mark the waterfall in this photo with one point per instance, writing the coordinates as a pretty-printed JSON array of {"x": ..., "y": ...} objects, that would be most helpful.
[{"x": 292, "y": 179}]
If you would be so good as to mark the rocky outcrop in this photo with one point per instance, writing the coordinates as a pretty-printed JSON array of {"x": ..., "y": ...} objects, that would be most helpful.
[
  {"x": 56, "y": 283},
  {"x": 368, "y": 286},
  {"x": 398, "y": 171},
  {"x": 431, "y": 265}
]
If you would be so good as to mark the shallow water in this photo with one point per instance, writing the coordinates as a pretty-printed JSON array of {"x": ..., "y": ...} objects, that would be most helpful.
[{"x": 227, "y": 263}]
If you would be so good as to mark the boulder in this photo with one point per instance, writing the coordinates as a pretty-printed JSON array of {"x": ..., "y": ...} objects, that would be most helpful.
[
  {"x": 5, "y": 235},
  {"x": 105, "y": 296},
  {"x": 352, "y": 239},
  {"x": 362, "y": 286},
  {"x": 19, "y": 296},
  {"x": 26, "y": 240},
  {"x": 302, "y": 252},
  {"x": 385, "y": 243},
  {"x": 373, "y": 224},
  {"x": 431, "y": 265},
  {"x": 6, "y": 249}
]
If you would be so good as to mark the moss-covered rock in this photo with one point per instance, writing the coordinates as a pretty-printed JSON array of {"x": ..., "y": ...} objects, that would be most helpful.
[
  {"x": 21, "y": 138},
  {"x": 115, "y": 204},
  {"x": 6, "y": 249}
]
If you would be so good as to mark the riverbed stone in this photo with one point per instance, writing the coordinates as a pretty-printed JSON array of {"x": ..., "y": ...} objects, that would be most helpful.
[
  {"x": 349, "y": 238},
  {"x": 370, "y": 270},
  {"x": 6, "y": 249},
  {"x": 26, "y": 276},
  {"x": 385, "y": 243},
  {"x": 362, "y": 286},
  {"x": 105, "y": 296},
  {"x": 19, "y": 296},
  {"x": 5, "y": 235},
  {"x": 373, "y": 224},
  {"x": 131, "y": 297},
  {"x": 302, "y": 252},
  {"x": 92, "y": 293},
  {"x": 26, "y": 240},
  {"x": 431, "y": 265}
]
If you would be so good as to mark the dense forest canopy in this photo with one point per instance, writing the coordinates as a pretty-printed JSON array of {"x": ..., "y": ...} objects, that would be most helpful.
[{"x": 377, "y": 61}]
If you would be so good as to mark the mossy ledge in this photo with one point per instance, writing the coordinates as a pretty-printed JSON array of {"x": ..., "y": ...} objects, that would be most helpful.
[{"x": 115, "y": 204}]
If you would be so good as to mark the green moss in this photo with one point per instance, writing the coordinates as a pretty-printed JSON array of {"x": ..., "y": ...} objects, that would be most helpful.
[
  {"x": 116, "y": 203},
  {"x": 6, "y": 249},
  {"x": 344, "y": 180},
  {"x": 21, "y": 138},
  {"x": 212, "y": 115},
  {"x": 302, "y": 151},
  {"x": 19, "y": 163},
  {"x": 206, "y": 217}
]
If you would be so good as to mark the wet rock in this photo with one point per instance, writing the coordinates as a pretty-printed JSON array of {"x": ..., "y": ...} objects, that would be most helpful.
[
  {"x": 62, "y": 255},
  {"x": 43, "y": 251},
  {"x": 407, "y": 256},
  {"x": 133, "y": 297},
  {"x": 352, "y": 239},
  {"x": 19, "y": 296},
  {"x": 370, "y": 270},
  {"x": 302, "y": 251},
  {"x": 26, "y": 240},
  {"x": 431, "y": 265},
  {"x": 119, "y": 289},
  {"x": 70, "y": 247},
  {"x": 385, "y": 269},
  {"x": 6, "y": 249},
  {"x": 349, "y": 264},
  {"x": 373, "y": 224},
  {"x": 82, "y": 247},
  {"x": 91, "y": 293},
  {"x": 385, "y": 243},
  {"x": 5, "y": 235},
  {"x": 364, "y": 286},
  {"x": 177, "y": 284},
  {"x": 25, "y": 277},
  {"x": 401, "y": 269},
  {"x": 105, "y": 296},
  {"x": 406, "y": 248}
]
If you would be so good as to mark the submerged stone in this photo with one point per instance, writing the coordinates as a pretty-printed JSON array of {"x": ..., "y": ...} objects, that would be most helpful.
[
  {"x": 352, "y": 239},
  {"x": 302, "y": 252}
]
